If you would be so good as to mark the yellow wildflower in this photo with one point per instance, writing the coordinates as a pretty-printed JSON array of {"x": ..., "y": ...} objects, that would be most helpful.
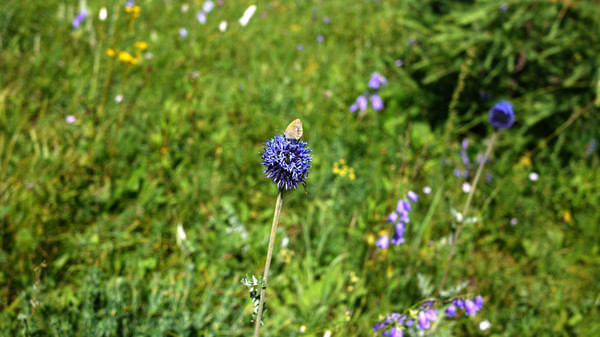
[
  {"x": 125, "y": 57},
  {"x": 141, "y": 45},
  {"x": 111, "y": 52},
  {"x": 567, "y": 216},
  {"x": 134, "y": 11},
  {"x": 295, "y": 28}
]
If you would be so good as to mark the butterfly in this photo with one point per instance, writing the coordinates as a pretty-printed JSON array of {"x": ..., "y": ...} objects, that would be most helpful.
[{"x": 294, "y": 130}]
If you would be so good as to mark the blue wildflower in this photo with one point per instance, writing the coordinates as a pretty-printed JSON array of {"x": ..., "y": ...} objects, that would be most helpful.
[
  {"x": 502, "y": 115},
  {"x": 376, "y": 102},
  {"x": 353, "y": 108},
  {"x": 413, "y": 196},
  {"x": 398, "y": 238},
  {"x": 591, "y": 147},
  {"x": 479, "y": 302},
  {"x": 383, "y": 242},
  {"x": 376, "y": 81},
  {"x": 201, "y": 17},
  {"x": 451, "y": 310},
  {"x": 470, "y": 308},
  {"x": 395, "y": 332},
  {"x": 320, "y": 38},
  {"x": 300, "y": 47},
  {"x": 287, "y": 161},
  {"x": 361, "y": 101},
  {"x": 208, "y": 6},
  {"x": 393, "y": 217},
  {"x": 130, "y": 4},
  {"x": 183, "y": 33},
  {"x": 79, "y": 19},
  {"x": 464, "y": 157},
  {"x": 423, "y": 321}
]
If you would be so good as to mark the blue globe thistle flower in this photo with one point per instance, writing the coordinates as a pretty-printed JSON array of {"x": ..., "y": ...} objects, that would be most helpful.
[
  {"x": 502, "y": 115},
  {"x": 287, "y": 161}
]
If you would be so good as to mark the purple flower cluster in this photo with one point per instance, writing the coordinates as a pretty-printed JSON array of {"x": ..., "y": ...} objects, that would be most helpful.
[
  {"x": 394, "y": 324},
  {"x": 79, "y": 19},
  {"x": 426, "y": 316},
  {"x": 470, "y": 306},
  {"x": 399, "y": 219},
  {"x": 375, "y": 83}
]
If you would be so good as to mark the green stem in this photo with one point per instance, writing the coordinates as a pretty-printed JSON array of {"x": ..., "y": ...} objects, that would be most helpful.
[
  {"x": 268, "y": 263},
  {"x": 461, "y": 223}
]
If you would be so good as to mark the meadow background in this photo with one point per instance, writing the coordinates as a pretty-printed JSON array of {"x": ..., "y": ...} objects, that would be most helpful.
[{"x": 102, "y": 157}]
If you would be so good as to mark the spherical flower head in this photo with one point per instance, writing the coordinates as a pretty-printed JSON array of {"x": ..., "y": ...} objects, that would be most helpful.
[
  {"x": 502, "y": 115},
  {"x": 287, "y": 161},
  {"x": 383, "y": 242},
  {"x": 320, "y": 38}
]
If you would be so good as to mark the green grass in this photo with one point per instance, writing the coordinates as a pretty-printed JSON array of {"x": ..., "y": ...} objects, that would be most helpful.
[{"x": 89, "y": 211}]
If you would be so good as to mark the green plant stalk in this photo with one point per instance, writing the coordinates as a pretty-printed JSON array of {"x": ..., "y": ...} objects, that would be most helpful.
[
  {"x": 268, "y": 263},
  {"x": 488, "y": 151}
]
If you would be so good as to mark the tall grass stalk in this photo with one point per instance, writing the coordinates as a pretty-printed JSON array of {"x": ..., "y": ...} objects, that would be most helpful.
[
  {"x": 263, "y": 289},
  {"x": 461, "y": 224}
]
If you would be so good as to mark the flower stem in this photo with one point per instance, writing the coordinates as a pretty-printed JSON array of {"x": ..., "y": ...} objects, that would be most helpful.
[
  {"x": 268, "y": 263},
  {"x": 488, "y": 151}
]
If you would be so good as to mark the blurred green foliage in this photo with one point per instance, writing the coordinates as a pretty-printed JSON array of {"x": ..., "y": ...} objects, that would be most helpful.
[{"x": 89, "y": 210}]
